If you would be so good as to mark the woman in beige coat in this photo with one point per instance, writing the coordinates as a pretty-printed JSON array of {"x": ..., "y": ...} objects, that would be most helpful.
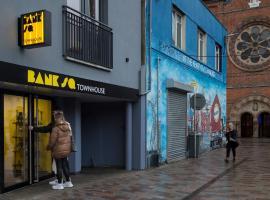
[{"x": 60, "y": 145}]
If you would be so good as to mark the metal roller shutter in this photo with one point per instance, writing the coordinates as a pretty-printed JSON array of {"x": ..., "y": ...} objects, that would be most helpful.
[{"x": 176, "y": 117}]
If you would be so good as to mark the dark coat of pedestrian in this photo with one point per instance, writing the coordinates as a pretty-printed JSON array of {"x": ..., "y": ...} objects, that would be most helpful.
[
  {"x": 232, "y": 143},
  {"x": 60, "y": 140}
]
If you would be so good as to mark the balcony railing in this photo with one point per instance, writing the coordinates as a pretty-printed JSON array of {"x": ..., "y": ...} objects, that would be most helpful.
[{"x": 86, "y": 40}]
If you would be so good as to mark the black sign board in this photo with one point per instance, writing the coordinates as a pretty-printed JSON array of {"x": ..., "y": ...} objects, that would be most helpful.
[
  {"x": 198, "y": 100},
  {"x": 13, "y": 73}
]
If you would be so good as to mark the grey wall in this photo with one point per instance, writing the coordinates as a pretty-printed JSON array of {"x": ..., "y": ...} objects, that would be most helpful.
[
  {"x": 124, "y": 19},
  {"x": 76, "y": 4},
  {"x": 103, "y": 134}
]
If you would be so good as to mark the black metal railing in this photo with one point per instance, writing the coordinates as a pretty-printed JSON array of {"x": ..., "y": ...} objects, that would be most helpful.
[{"x": 86, "y": 40}]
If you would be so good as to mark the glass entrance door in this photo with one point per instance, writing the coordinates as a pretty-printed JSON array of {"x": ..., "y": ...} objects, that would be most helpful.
[
  {"x": 42, "y": 157},
  {"x": 26, "y": 159},
  {"x": 16, "y": 148}
]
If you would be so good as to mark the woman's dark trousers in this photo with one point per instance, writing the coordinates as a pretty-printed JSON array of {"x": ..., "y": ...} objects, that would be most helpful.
[
  {"x": 62, "y": 167},
  {"x": 230, "y": 147}
]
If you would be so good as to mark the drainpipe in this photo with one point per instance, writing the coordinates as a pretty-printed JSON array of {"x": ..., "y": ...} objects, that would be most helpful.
[
  {"x": 149, "y": 47},
  {"x": 158, "y": 123}
]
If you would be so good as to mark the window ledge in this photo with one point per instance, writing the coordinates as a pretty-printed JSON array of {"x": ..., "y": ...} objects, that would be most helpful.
[{"x": 87, "y": 63}]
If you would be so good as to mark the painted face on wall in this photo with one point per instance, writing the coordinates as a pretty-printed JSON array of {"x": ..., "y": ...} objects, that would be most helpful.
[{"x": 216, "y": 113}]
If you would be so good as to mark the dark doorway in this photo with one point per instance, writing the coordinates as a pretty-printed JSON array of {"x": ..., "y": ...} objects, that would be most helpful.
[
  {"x": 103, "y": 135},
  {"x": 246, "y": 125},
  {"x": 264, "y": 124}
]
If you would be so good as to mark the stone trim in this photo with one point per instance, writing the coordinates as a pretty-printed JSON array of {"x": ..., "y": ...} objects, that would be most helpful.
[{"x": 240, "y": 107}]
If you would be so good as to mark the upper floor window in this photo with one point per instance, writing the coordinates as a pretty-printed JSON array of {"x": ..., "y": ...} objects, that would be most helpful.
[
  {"x": 201, "y": 46},
  {"x": 97, "y": 9},
  {"x": 218, "y": 57},
  {"x": 178, "y": 29}
]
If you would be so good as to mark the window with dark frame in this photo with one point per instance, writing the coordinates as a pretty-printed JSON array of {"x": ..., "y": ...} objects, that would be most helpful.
[{"x": 218, "y": 57}]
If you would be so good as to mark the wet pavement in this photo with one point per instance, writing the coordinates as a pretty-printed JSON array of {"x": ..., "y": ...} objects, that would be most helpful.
[{"x": 205, "y": 178}]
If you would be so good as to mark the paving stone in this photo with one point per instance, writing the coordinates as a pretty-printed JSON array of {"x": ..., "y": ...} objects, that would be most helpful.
[{"x": 205, "y": 178}]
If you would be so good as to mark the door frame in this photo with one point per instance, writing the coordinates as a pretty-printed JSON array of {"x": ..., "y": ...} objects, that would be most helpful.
[
  {"x": 2, "y": 159},
  {"x": 241, "y": 124},
  {"x": 2, "y": 142},
  {"x": 261, "y": 126},
  {"x": 33, "y": 97}
]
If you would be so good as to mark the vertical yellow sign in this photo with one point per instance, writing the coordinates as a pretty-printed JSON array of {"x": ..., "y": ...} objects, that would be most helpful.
[{"x": 33, "y": 28}]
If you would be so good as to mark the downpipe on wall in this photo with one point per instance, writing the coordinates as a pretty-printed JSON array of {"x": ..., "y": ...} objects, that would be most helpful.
[
  {"x": 158, "y": 122},
  {"x": 148, "y": 70}
]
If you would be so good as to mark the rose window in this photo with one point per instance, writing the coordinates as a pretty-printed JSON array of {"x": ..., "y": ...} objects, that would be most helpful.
[
  {"x": 249, "y": 44},
  {"x": 253, "y": 45}
]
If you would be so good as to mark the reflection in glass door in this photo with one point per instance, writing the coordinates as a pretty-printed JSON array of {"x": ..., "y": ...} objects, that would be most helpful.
[
  {"x": 16, "y": 154},
  {"x": 42, "y": 157}
]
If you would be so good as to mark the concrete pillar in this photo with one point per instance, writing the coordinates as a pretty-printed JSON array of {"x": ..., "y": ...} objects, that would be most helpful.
[
  {"x": 77, "y": 134},
  {"x": 72, "y": 109},
  {"x": 129, "y": 136},
  {"x": 139, "y": 138}
]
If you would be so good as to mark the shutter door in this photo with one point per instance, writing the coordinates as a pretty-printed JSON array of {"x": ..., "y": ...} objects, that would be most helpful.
[{"x": 176, "y": 119}]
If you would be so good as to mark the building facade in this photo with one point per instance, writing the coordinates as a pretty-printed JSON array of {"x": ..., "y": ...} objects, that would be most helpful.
[
  {"x": 184, "y": 44},
  {"x": 248, "y": 42},
  {"x": 76, "y": 56}
]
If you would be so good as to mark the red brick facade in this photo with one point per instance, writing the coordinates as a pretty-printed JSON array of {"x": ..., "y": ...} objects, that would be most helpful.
[{"x": 248, "y": 75}]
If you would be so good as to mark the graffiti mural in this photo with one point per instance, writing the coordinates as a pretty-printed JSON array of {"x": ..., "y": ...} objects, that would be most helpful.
[
  {"x": 165, "y": 60},
  {"x": 208, "y": 121}
]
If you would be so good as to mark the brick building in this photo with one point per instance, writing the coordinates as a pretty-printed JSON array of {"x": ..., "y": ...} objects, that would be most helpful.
[{"x": 248, "y": 56}]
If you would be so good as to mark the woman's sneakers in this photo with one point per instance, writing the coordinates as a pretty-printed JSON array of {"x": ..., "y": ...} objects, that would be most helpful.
[
  {"x": 58, "y": 186},
  {"x": 54, "y": 182},
  {"x": 226, "y": 160},
  {"x": 68, "y": 184}
]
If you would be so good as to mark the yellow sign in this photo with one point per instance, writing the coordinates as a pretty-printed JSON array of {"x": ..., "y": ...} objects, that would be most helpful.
[
  {"x": 194, "y": 84},
  {"x": 35, "y": 29},
  {"x": 48, "y": 79}
]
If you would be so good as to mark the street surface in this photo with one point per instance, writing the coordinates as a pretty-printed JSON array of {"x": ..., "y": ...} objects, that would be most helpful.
[{"x": 206, "y": 178}]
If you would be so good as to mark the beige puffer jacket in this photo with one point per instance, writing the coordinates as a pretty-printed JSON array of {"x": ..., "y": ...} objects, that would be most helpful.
[{"x": 60, "y": 140}]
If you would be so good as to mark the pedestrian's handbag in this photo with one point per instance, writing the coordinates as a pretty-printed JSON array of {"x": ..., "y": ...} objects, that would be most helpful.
[
  {"x": 54, "y": 166},
  {"x": 73, "y": 145},
  {"x": 236, "y": 144}
]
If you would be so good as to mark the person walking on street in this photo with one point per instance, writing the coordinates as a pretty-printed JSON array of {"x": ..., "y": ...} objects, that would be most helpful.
[
  {"x": 232, "y": 143},
  {"x": 60, "y": 145}
]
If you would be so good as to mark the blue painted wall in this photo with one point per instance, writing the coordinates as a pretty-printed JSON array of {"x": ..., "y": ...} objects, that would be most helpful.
[{"x": 182, "y": 66}]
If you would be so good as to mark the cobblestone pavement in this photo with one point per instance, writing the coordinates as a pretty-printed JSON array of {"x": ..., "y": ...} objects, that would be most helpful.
[{"x": 208, "y": 177}]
